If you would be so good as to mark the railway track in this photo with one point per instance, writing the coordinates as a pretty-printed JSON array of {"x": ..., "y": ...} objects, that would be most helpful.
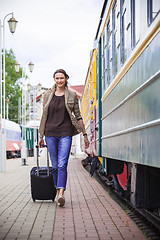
[{"x": 147, "y": 221}]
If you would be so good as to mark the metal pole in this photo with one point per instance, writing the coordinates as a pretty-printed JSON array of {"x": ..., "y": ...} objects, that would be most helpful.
[
  {"x": 4, "y": 106},
  {"x": 4, "y": 77},
  {"x": 23, "y": 146},
  {"x": 29, "y": 100},
  {"x": 22, "y": 101},
  {"x": 19, "y": 111},
  {"x": 34, "y": 117},
  {"x": 25, "y": 99},
  {"x": 7, "y": 110},
  {"x": 3, "y": 134}
]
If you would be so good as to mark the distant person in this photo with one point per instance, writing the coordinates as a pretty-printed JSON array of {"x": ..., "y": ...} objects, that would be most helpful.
[{"x": 61, "y": 119}]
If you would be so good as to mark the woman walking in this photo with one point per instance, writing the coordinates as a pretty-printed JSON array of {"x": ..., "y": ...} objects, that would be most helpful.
[{"x": 60, "y": 121}]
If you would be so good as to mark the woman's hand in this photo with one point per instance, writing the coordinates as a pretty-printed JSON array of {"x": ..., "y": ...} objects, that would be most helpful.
[
  {"x": 40, "y": 142},
  {"x": 86, "y": 141}
]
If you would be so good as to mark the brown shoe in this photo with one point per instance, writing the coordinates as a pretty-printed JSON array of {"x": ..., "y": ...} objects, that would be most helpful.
[{"x": 61, "y": 200}]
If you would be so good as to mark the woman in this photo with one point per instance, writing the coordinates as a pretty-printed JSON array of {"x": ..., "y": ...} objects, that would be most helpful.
[{"x": 60, "y": 121}]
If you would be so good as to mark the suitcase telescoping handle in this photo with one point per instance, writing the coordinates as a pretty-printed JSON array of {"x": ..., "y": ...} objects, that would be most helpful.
[{"x": 38, "y": 160}]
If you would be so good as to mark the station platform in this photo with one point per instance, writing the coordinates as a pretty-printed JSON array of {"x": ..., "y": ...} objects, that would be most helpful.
[{"x": 89, "y": 211}]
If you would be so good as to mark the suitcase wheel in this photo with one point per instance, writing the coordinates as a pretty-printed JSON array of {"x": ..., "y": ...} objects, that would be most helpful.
[{"x": 52, "y": 200}]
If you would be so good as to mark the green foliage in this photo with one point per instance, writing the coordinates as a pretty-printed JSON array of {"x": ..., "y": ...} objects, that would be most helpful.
[{"x": 13, "y": 88}]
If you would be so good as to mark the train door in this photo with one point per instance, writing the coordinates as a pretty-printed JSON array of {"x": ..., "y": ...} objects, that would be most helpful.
[{"x": 98, "y": 98}]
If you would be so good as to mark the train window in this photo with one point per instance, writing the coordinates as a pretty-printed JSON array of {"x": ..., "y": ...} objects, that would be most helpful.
[
  {"x": 9, "y": 135},
  {"x": 97, "y": 77},
  {"x": 127, "y": 29},
  {"x": 108, "y": 52},
  {"x": 116, "y": 38},
  {"x": 103, "y": 62},
  {"x": 153, "y": 10},
  {"x": 117, "y": 35},
  {"x": 114, "y": 53},
  {"x": 135, "y": 22},
  {"x": 122, "y": 14}
]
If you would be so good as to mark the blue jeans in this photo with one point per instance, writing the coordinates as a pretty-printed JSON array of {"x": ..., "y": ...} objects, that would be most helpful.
[{"x": 59, "y": 150}]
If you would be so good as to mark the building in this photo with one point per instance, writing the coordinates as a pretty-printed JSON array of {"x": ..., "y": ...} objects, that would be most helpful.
[{"x": 34, "y": 102}]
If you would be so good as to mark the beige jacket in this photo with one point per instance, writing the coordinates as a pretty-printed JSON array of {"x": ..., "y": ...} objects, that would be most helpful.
[{"x": 72, "y": 106}]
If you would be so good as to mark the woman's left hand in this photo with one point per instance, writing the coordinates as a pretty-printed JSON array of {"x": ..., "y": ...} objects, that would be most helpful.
[{"x": 86, "y": 142}]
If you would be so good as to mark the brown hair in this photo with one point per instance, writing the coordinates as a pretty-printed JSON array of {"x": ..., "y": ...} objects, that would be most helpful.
[
  {"x": 61, "y": 71},
  {"x": 65, "y": 74}
]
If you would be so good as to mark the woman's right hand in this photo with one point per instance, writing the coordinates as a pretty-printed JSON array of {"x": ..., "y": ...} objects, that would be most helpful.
[
  {"x": 86, "y": 142},
  {"x": 40, "y": 142}
]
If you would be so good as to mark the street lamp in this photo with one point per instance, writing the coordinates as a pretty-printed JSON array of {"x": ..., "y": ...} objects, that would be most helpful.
[
  {"x": 39, "y": 86},
  {"x": 31, "y": 66},
  {"x": 28, "y": 87},
  {"x": 17, "y": 65},
  {"x": 12, "y": 26},
  {"x": 23, "y": 123}
]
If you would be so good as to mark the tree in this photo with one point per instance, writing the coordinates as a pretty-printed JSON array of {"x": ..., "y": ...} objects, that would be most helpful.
[{"x": 13, "y": 86}]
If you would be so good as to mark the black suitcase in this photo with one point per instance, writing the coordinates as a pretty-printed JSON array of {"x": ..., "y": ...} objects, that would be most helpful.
[{"x": 42, "y": 185}]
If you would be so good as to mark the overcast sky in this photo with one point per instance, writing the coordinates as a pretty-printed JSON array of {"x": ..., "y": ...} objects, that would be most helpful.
[{"x": 52, "y": 34}]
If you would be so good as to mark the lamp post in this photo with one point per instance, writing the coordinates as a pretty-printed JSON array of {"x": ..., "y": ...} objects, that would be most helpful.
[
  {"x": 7, "y": 106},
  {"x": 23, "y": 122},
  {"x": 29, "y": 100},
  {"x": 12, "y": 25}
]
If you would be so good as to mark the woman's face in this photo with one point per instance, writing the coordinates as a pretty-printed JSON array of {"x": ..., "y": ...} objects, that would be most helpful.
[{"x": 60, "y": 80}]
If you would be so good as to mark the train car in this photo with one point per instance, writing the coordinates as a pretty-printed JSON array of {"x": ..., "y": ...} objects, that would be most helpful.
[
  {"x": 88, "y": 102},
  {"x": 128, "y": 99},
  {"x": 28, "y": 136},
  {"x": 13, "y": 139},
  {"x": 31, "y": 131}
]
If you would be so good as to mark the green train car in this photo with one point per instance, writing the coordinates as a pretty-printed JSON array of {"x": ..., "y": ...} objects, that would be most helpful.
[
  {"x": 126, "y": 133},
  {"x": 31, "y": 136}
]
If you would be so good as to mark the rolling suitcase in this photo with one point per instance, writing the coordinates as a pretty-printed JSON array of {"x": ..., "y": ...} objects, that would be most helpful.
[{"x": 42, "y": 185}]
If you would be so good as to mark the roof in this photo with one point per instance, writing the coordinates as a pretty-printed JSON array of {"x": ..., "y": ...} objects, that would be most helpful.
[
  {"x": 33, "y": 123},
  {"x": 10, "y": 125},
  {"x": 78, "y": 89}
]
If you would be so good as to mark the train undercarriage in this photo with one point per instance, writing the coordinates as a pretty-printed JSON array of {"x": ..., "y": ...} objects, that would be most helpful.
[{"x": 137, "y": 183}]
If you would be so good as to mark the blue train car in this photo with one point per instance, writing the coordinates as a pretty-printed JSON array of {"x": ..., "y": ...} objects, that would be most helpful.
[{"x": 13, "y": 139}]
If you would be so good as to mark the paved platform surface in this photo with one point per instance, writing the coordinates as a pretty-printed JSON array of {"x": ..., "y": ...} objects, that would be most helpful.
[{"x": 89, "y": 212}]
